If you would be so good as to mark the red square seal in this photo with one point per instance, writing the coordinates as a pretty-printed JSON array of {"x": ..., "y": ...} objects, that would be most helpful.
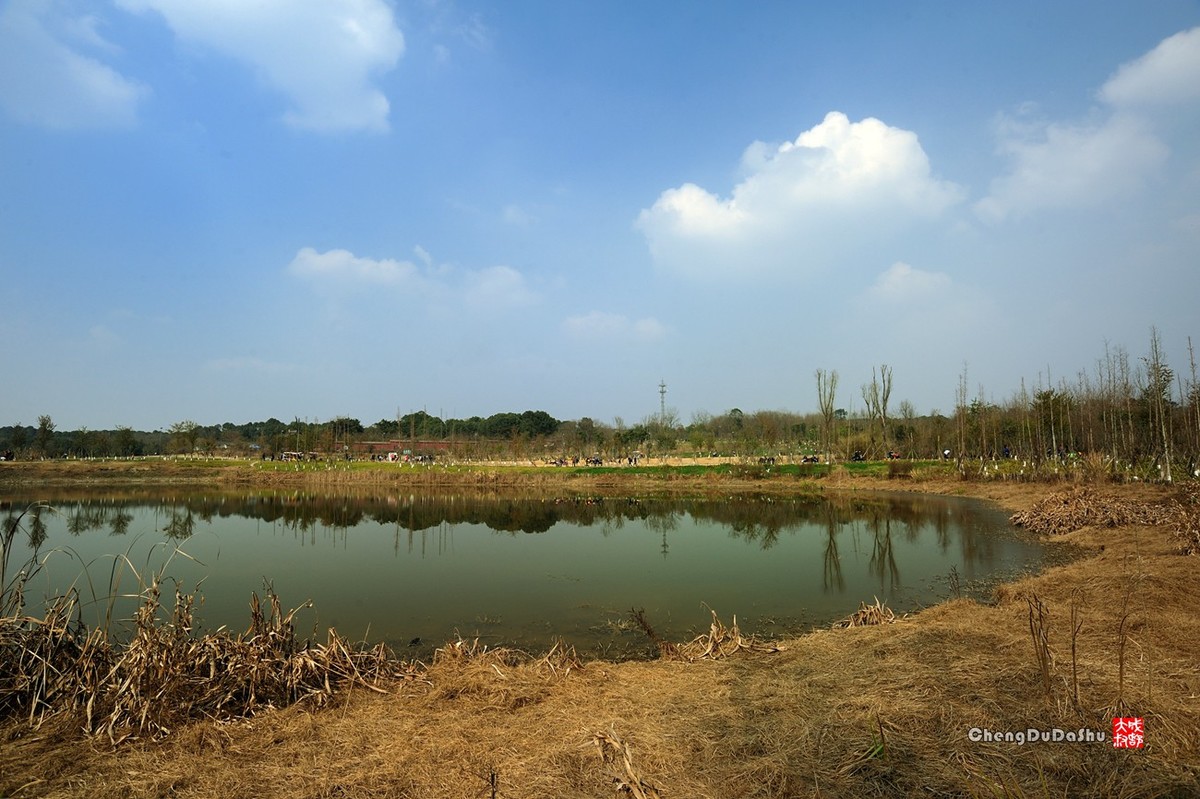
[{"x": 1129, "y": 732}]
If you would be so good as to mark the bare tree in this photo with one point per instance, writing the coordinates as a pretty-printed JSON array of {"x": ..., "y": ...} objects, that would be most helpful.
[
  {"x": 885, "y": 394},
  {"x": 1159, "y": 394},
  {"x": 1193, "y": 399},
  {"x": 870, "y": 395},
  {"x": 960, "y": 413},
  {"x": 826, "y": 394},
  {"x": 875, "y": 396}
]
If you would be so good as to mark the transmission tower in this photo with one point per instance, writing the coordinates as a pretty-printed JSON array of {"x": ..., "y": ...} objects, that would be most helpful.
[{"x": 662, "y": 400}]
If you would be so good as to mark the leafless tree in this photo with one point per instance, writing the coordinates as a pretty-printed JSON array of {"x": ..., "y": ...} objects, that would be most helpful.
[
  {"x": 826, "y": 398},
  {"x": 1158, "y": 388}
]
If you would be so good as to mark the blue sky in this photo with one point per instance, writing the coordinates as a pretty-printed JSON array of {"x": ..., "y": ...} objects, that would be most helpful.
[{"x": 226, "y": 211}]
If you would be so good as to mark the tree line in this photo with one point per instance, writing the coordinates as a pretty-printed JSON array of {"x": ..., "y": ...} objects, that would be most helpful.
[{"x": 1129, "y": 411}]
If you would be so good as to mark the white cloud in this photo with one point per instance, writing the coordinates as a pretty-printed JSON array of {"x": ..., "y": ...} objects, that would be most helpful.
[
  {"x": 607, "y": 327},
  {"x": 910, "y": 315},
  {"x": 322, "y": 54},
  {"x": 1167, "y": 75},
  {"x": 345, "y": 267},
  {"x": 806, "y": 201},
  {"x": 1062, "y": 165},
  {"x": 424, "y": 255},
  {"x": 494, "y": 287},
  {"x": 45, "y": 79},
  {"x": 517, "y": 216},
  {"x": 901, "y": 283},
  {"x": 476, "y": 33}
]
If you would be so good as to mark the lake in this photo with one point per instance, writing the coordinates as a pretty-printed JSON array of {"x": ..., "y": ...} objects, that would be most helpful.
[{"x": 416, "y": 570}]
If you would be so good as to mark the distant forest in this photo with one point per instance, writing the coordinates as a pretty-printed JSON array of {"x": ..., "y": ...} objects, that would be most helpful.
[{"x": 1138, "y": 413}]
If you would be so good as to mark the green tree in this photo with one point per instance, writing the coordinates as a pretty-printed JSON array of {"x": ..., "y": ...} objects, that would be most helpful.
[
  {"x": 18, "y": 437},
  {"x": 44, "y": 436},
  {"x": 125, "y": 444},
  {"x": 387, "y": 427},
  {"x": 184, "y": 435}
]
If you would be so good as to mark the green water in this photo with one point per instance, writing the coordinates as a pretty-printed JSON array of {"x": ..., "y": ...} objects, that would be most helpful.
[{"x": 518, "y": 571}]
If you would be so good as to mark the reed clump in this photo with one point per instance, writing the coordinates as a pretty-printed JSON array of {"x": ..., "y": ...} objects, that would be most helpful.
[
  {"x": 867, "y": 615},
  {"x": 1067, "y": 511},
  {"x": 1186, "y": 521},
  {"x": 721, "y": 642},
  {"x": 502, "y": 678},
  {"x": 618, "y": 762},
  {"x": 1071, "y": 510},
  {"x": 166, "y": 675}
]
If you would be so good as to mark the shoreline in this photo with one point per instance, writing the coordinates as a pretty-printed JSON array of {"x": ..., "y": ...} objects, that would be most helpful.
[{"x": 868, "y": 710}]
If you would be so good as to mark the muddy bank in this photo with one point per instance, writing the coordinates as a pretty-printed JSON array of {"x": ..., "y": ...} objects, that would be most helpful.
[{"x": 917, "y": 707}]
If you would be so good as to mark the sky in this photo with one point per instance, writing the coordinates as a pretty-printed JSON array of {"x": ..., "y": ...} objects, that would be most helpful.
[{"x": 226, "y": 210}]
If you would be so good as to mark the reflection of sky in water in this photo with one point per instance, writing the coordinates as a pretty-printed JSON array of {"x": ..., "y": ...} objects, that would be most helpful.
[{"x": 396, "y": 568}]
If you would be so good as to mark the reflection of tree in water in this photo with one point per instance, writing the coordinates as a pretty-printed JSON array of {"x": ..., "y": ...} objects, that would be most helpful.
[
  {"x": 88, "y": 517},
  {"x": 118, "y": 522},
  {"x": 832, "y": 577},
  {"x": 180, "y": 525},
  {"x": 37, "y": 530},
  {"x": 883, "y": 557},
  {"x": 663, "y": 524},
  {"x": 30, "y": 520},
  {"x": 80, "y": 518},
  {"x": 762, "y": 520}
]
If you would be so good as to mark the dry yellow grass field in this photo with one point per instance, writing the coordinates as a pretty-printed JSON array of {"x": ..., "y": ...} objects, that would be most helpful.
[{"x": 881, "y": 710}]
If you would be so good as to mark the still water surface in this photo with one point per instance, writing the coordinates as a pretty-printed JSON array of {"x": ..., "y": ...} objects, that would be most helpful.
[{"x": 523, "y": 571}]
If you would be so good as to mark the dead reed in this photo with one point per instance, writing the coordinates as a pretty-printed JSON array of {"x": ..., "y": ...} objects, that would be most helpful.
[
  {"x": 165, "y": 675},
  {"x": 721, "y": 642},
  {"x": 618, "y": 761},
  {"x": 1067, "y": 511},
  {"x": 1076, "y": 628},
  {"x": 1070, "y": 510},
  {"x": 1039, "y": 631},
  {"x": 1186, "y": 519},
  {"x": 867, "y": 615}
]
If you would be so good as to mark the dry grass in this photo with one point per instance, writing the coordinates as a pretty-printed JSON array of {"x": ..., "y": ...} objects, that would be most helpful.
[
  {"x": 868, "y": 615},
  {"x": 1186, "y": 519},
  {"x": 1070, "y": 510},
  {"x": 164, "y": 676},
  {"x": 877, "y": 710}
]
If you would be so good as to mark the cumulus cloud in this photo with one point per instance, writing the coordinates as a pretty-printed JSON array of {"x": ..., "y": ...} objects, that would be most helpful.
[
  {"x": 345, "y": 267},
  {"x": 1167, "y": 75},
  {"x": 47, "y": 77},
  {"x": 923, "y": 312},
  {"x": 1067, "y": 166},
  {"x": 1062, "y": 165},
  {"x": 805, "y": 201},
  {"x": 496, "y": 286},
  {"x": 902, "y": 283},
  {"x": 493, "y": 287},
  {"x": 607, "y": 327},
  {"x": 322, "y": 54}
]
